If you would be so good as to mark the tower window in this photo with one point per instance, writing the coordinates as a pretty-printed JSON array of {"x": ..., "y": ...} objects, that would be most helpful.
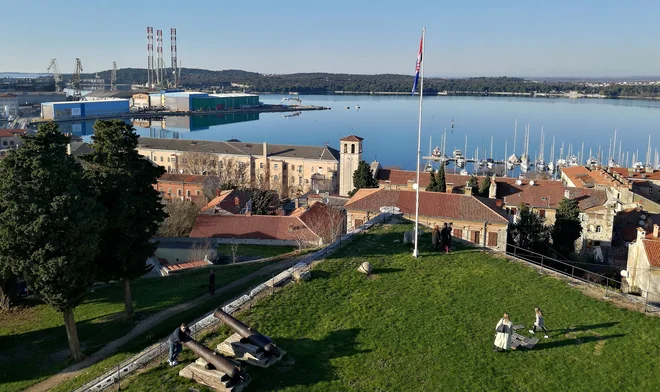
[
  {"x": 345, "y": 148},
  {"x": 352, "y": 148}
]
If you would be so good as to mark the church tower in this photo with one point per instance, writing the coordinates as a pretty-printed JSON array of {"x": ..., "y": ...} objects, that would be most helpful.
[{"x": 350, "y": 155}]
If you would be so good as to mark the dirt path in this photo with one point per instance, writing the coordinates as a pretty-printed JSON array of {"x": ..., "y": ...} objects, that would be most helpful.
[{"x": 148, "y": 323}]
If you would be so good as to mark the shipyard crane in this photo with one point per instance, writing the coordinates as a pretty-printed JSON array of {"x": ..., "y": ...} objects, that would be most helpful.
[
  {"x": 52, "y": 67},
  {"x": 113, "y": 77},
  {"x": 75, "y": 80}
]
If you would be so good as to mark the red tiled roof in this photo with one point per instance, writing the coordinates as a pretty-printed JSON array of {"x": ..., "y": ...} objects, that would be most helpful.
[
  {"x": 320, "y": 219},
  {"x": 6, "y": 95},
  {"x": 266, "y": 227},
  {"x": 582, "y": 177},
  {"x": 550, "y": 196},
  {"x": 227, "y": 201},
  {"x": 12, "y": 132},
  {"x": 445, "y": 205},
  {"x": 637, "y": 175},
  {"x": 187, "y": 178},
  {"x": 186, "y": 265},
  {"x": 652, "y": 249},
  {"x": 351, "y": 138}
]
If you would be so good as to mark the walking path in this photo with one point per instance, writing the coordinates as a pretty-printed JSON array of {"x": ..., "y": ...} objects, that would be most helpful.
[{"x": 150, "y": 322}]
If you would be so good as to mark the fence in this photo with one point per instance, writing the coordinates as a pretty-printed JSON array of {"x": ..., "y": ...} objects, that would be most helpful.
[
  {"x": 159, "y": 350},
  {"x": 610, "y": 285}
]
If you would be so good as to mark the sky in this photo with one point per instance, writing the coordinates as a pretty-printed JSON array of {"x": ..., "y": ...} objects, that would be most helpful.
[{"x": 464, "y": 38}]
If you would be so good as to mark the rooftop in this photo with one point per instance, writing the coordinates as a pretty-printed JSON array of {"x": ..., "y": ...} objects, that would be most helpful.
[
  {"x": 550, "y": 196},
  {"x": 241, "y": 148},
  {"x": 12, "y": 132},
  {"x": 183, "y": 178},
  {"x": 230, "y": 201},
  {"x": 232, "y": 95},
  {"x": 351, "y": 138},
  {"x": 652, "y": 249},
  {"x": 582, "y": 177},
  {"x": 263, "y": 227},
  {"x": 80, "y": 148},
  {"x": 637, "y": 175},
  {"x": 435, "y": 204}
]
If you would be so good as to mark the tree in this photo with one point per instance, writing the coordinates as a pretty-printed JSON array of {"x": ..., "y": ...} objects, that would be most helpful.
[
  {"x": 442, "y": 183},
  {"x": 181, "y": 215},
  {"x": 50, "y": 223},
  {"x": 133, "y": 207},
  {"x": 263, "y": 201},
  {"x": 433, "y": 184},
  {"x": 474, "y": 184},
  {"x": 198, "y": 163},
  {"x": 363, "y": 177},
  {"x": 530, "y": 230},
  {"x": 567, "y": 228},
  {"x": 484, "y": 188}
]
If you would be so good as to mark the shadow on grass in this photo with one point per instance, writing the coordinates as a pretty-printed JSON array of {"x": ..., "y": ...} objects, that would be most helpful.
[
  {"x": 307, "y": 362},
  {"x": 581, "y": 328},
  {"x": 320, "y": 275},
  {"x": 574, "y": 342},
  {"x": 379, "y": 271}
]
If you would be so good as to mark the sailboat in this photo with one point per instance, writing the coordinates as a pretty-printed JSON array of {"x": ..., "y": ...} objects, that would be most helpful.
[
  {"x": 458, "y": 155},
  {"x": 489, "y": 162},
  {"x": 513, "y": 160},
  {"x": 444, "y": 159},
  {"x": 591, "y": 162},
  {"x": 551, "y": 164},
  {"x": 524, "y": 158},
  {"x": 561, "y": 162},
  {"x": 540, "y": 164}
]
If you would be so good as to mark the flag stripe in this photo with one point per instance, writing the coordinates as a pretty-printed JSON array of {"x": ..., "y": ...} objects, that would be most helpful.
[{"x": 418, "y": 65}]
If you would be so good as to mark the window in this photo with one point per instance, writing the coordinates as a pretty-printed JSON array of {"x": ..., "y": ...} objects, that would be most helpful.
[
  {"x": 457, "y": 233},
  {"x": 197, "y": 193},
  {"x": 155, "y": 159},
  {"x": 178, "y": 192},
  {"x": 261, "y": 165},
  {"x": 352, "y": 148},
  {"x": 300, "y": 169},
  {"x": 12, "y": 143},
  {"x": 320, "y": 170},
  {"x": 474, "y": 236},
  {"x": 169, "y": 191},
  {"x": 358, "y": 222},
  {"x": 4, "y": 142},
  {"x": 276, "y": 166},
  {"x": 599, "y": 229},
  {"x": 513, "y": 211},
  {"x": 169, "y": 169},
  {"x": 161, "y": 159},
  {"x": 293, "y": 167},
  {"x": 188, "y": 193},
  {"x": 300, "y": 180},
  {"x": 345, "y": 148},
  {"x": 492, "y": 239},
  {"x": 542, "y": 213}
]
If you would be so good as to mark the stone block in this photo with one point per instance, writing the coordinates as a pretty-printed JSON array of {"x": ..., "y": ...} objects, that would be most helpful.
[
  {"x": 234, "y": 347},
  {"x": 302, "y": 274},
  {"x": 214, "y": 379}
]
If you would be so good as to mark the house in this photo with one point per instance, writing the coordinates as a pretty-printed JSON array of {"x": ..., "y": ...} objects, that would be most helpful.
[
  {"x": 255, "y": 229},
  {"x": 10, "y": 139},
  {"x": 642, "y": 274},
  {"x": 229, "y": 202},
  {"x": 477, "y": 220},
  {"x": 583, "y": 177},
  {"x": 184, "y": 186},
  {"x": 288, "y": 169}
]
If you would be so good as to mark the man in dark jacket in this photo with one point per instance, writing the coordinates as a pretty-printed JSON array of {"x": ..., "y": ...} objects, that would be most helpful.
[
  {"x": 179, "y": 335},
  {"x": 211, "y": 282}
]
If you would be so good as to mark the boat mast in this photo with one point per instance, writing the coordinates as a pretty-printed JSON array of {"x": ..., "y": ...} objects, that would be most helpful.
[
  {"x": 552, "y": 151},
  {"x": 491, "y": 147},
  {"x": 614, "y": 146},
  {"x": 515, "y": 132},
  {"x": 581, "y": 158}
]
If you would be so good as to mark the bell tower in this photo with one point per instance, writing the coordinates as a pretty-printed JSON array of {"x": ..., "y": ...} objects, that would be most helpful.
[{"x": 350, "y": 155}]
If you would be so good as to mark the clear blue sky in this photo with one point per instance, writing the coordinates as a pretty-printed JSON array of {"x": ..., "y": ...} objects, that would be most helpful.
[{"x": 464, "y": 38}]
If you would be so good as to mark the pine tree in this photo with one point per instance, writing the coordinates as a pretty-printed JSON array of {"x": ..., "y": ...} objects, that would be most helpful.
[
  {"x": 442, "y": 183},
  {"x": 530, "y": 230},
  {"x": 133, "y": 207},
  {"x": 50, "y": 223},
  {"x": 363, "y": 177},
  {"x": 474, "y": 184},
  {"x": 567, "y": 228},
  {"x": 433, "y": 184},
  {"x": 484, "y": 188}
]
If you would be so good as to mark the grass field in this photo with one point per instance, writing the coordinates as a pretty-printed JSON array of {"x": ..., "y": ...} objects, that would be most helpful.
[
  {"x": 261, "y": 251},
  {"x": 428, "y": 324},
  {"x": 33, "y": 340}
]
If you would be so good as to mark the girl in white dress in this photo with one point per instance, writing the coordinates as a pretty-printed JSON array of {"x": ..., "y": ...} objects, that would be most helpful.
[{"x": 504, "y": 329}]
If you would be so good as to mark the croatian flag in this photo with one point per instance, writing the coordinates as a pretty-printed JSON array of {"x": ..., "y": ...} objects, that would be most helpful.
[{"x": 417, "y": 65}]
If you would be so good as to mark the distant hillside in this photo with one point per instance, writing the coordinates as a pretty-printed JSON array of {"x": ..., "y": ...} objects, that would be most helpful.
[{"x": 328, "y": 83}]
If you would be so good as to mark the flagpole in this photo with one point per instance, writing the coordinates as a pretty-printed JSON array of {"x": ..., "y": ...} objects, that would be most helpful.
[{"x": 419, "y": 144}]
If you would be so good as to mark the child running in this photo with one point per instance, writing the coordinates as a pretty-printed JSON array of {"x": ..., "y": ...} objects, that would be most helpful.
[{"x": 539, "y": 323}]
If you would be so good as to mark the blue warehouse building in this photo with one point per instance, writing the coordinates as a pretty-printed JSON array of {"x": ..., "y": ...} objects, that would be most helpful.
[{"x": 84, "y": 109}]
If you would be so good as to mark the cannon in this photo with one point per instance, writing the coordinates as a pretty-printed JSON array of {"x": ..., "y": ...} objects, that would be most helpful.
[
  {"x": 250, "y": 335},
  {"x": 233, "y": 373}
]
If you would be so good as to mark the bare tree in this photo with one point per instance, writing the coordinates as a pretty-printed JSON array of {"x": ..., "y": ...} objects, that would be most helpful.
[
  {"x": 327, "y": 221},
  {"x": 181, "y": 215},
  {"x": 232, "y": 173},
  {"x": 200, "y": 250},
  {"x": 233, "y": 248},
  {"x": 198, "y": 163}
]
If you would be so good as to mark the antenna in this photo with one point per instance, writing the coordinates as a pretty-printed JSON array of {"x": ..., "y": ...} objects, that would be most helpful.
[
  {"x": 52, "y": 67},
  {"x": 113, "y": 77},
  {"x": 174, "y": 63}
]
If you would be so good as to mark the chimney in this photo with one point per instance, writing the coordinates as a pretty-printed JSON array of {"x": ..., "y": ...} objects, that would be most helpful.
[
  {"x": 498, "y": 203},
  {"x": 567, "y": 193},
  {"x": 641, "y": 234},
  {"x": 217, "y": 192},
  {"x": 296, "y": 203},
  {"x": 468, "y": 188},
  {"x": 450, "y": 187},
  {"x": 265, "y": 152},
  {"x": 237, "y": 201},
  {"x": 656, "y": 229}
]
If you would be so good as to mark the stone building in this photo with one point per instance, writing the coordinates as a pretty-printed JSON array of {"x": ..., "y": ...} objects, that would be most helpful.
[
  {"x": 642, "y": 274},
  {"x": 350, "y": 155}
]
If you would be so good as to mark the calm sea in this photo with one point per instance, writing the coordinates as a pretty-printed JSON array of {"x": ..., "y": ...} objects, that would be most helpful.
[{"x": 388, "y": 125}]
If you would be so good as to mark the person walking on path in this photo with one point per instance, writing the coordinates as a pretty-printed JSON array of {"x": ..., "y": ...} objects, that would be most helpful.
[
  {"x": 211, "y": 282},
  {"x": 444, "y": 234},
  {"x": 435, "y": 238},
  {"x": 504, "y": 329},
  {"x": 539, "y": 323},
  {"x": 181, "y": 334}
]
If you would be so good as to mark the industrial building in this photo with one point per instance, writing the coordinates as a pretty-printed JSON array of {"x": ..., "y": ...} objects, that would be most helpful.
[
  {"x": 8, "y": 106},
  {"x": 196, "y": 101},
  {"x": 83, "y": 109},
  {"x": 28, "y": 98}
]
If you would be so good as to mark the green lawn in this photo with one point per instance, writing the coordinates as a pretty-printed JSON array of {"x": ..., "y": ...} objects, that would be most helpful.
[
  {"x": 428, "y": 324},
  {"x": 262, "y": 251},
  {"x": 33, "y": 341}
]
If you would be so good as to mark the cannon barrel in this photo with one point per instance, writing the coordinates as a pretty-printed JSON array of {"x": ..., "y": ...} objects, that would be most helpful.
[
  {"x": 246, "y": 332},
  {"x": 218, "y": 361}
]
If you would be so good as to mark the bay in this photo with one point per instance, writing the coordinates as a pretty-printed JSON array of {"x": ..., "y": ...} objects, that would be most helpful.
[{"x": 388, "y": 125}]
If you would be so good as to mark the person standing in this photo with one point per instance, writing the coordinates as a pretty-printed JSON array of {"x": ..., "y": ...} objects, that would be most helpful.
[
  {"x": 435, "y": 238},
  {"x": 181, "y": 334},
  {"x": 211, "y": 282},
  {"x": 444, "y": 233},
  {"x": 449, "y": 230},
  {"x": 504, "y": 329},
  {"x": 539, "y": 323}
]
